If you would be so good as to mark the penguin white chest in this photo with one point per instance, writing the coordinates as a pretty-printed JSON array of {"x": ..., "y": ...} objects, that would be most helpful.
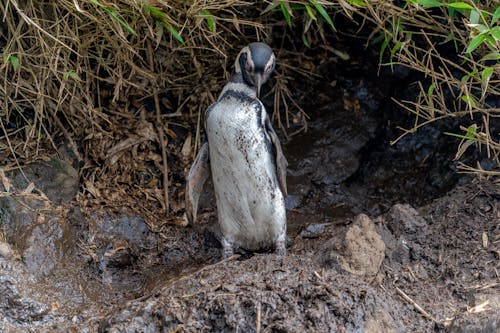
[{"x": 250, "y": 203}]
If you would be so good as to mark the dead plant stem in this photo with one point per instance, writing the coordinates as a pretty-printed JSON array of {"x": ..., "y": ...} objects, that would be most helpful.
[{"x": 159, "y": 129}]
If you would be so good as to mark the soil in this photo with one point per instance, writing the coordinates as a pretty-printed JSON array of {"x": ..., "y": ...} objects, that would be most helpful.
[{"x": 381, "y": 238}]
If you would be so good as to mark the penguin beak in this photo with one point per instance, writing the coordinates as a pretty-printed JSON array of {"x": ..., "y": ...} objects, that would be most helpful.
[{"x": 258, "y": 79}]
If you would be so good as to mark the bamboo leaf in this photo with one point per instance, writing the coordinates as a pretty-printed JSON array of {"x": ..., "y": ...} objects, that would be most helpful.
[
  {"x": 13, "y": 60},
  {"x": 496, "y": 16},
  {"x": 155, "y": 12},
  {"x": 474, "y": 17},
  {"x": 491, "y": 56},
  {"x": 359, "y": 3},
  {"x": 396, "y": 48},
  {"x": 458, "y": 136},
  {"x": 469, "y": 100},
  {"x": 485, "y": 78},
  {"x": 286, "y": 10},
  {"x": 384, "y": 46},
  {"x": 310, "y": 12},
  {"x": 431, "y": 89},
  {"x": 495, "y": 32},
  {"x": 321, "y": 10},
  {"x": 97, "y": 3},
  {"x": 175, "y": 33},
  {"x": 470, "y": 133},
  {"x": 209, "y": 18},
  {"x": 305, "y": 40},
  {"x": 460, "y": 5},
  {"x": 113, "y": 13},
  {"x": 475, "y": 42},
  {"x": 270, "y": 7},
  {"x": 71, "y": 75},
  {"x": 428, "y": 3}
]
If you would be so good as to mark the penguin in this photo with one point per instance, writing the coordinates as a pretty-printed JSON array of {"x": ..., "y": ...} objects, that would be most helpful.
[{"x": 244, "y": 158}]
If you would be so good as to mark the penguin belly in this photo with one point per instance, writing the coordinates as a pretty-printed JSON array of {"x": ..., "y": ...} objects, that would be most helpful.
[{"x": 250, "y": 203}]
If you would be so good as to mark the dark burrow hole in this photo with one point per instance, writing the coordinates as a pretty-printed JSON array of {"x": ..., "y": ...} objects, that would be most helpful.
[{"x": 345, "y": 164}]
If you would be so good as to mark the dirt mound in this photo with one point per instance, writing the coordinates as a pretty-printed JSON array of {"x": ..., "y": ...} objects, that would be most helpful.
[{"x": 291, "y": 294}]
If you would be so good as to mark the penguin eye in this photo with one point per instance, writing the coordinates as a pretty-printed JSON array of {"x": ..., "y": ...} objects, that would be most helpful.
[
  {"x": 269, "y": 67},
  {"x": 248, "y": 66}
]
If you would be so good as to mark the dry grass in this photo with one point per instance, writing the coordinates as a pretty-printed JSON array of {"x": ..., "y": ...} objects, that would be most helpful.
[{"x": 118, "y": 82}]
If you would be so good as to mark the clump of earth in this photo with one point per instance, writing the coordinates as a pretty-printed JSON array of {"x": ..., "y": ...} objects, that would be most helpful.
[{"x": 382, "y": 239}]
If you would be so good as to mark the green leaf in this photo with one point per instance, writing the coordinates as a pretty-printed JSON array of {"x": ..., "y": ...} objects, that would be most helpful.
[
  {"x": 481, "y": 28},
  {"x": 485, "y": 77},
  {"x": 451, "y": 37},
  {"x": 113, "y": 13},
  {"x": 491, "y": 41},
  {"x": 395, "y": 48},
  {"x": 209, "y": 18},
  {"x": 97, "y": 3},
  {"x": 474, "y": 17},
  {"x": 491, "y": 56},
  {"x": 272, "y": 6},
  {"x": 431, "y": 89},
  {"x": 459, "y": 5},
  {"x": 456, "y": 135},
  {"x": 359, "y": 3},
  {"x": 469, "y": 100},
  {"x": 496, "y": 16},
  {"x": 470, "y": 133},
  {"x": 162, "y": 18},
  {"x": 71, "y": 75},
  {"x": 155, "y": 12},
  {"x": 475, "y": 42},
  {"x": 305, "y": 40},
  {"x": 429, "y": 3},
  {"x": 13, "y": 60},
  {"x": 495, "y": 32},
  {"x": 310, "y": 12},
  {"x": 386, "y": 42},
  {"x": 175, "y": 33},
  {"x": 285, "y": 7},
  {"x": 321, "y": 10}
]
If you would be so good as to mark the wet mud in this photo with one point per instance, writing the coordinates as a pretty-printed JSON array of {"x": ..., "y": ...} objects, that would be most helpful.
[{"x": 382, "y": 239}]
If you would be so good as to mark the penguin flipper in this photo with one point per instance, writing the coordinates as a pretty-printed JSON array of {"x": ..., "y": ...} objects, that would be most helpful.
[
  {"x": 196, "y": 179},
  {"x": 281, "y": 162}
]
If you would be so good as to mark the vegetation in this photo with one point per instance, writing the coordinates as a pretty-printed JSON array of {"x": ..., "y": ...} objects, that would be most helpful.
[{"x": 111, "y": 78}]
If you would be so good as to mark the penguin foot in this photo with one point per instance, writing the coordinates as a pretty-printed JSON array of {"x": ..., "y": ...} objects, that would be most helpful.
[
  {"x": 227, "y": 249},
  {"x": 280, "y": 248}
]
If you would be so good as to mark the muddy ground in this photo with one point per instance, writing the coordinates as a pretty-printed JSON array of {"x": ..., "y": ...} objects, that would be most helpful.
[{"x": 381, "y": 238}]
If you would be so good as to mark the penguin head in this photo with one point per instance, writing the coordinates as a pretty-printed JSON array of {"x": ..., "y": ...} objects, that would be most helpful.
[{"x": 255, "y": 62}]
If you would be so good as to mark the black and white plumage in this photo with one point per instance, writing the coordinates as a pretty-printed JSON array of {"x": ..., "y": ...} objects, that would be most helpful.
[{"x": 245, "y": 160}]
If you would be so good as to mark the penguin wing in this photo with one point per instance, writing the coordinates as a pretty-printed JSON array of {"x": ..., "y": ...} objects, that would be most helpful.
[
  {"x": 281, "y": 162},
  {"x": 196, "y": 179}
]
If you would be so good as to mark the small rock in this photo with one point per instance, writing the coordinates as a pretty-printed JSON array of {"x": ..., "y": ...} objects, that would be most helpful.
[
  {"x": 313, "y": 231},
  {"x": 404, "y": 220},
  {"x": 292, "y": 201},
  {"x": 380, "y": 322},
  {"x": 361, "y": 251},
  {"x": 401, "y": 253},
  {"x": 364, "y": 248},
  {"x": 5, "y": 250},
  {"x": 44, "y": 245}
]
